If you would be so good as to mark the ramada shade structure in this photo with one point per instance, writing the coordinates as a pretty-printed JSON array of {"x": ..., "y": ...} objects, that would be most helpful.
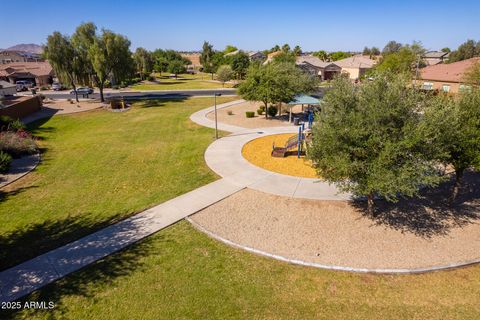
[{"x": 302, "y": 99}]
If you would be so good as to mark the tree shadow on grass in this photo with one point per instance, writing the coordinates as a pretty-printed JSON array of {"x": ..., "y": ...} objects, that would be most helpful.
[
  {"x": 430, "y": 215},
  {"x": 158, "y": 101},
  {"x": 86, "y": 281},
  {"x": 31, "y": 240}
]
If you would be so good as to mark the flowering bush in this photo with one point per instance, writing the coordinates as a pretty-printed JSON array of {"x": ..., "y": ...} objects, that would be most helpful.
[{"x": 17, "y": 143}]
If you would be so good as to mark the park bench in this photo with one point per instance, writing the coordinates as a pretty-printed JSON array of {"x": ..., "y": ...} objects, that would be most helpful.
[{"x": 280, "y": 152}]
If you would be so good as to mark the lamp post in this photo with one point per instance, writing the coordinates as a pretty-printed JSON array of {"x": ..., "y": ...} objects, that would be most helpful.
[{"x": 215, "y": 95}]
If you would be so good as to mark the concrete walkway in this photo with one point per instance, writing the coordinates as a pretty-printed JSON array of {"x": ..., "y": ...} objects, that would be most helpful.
[
  {"x": 200, "y": 117},
  {"x": 224, "y": 156},
  {"x": 19, "y": 168},
  {"x": 44, "y": 269}
]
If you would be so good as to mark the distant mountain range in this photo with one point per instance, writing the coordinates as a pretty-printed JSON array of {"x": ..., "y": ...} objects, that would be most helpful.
[{"x": 27, "y": 47}]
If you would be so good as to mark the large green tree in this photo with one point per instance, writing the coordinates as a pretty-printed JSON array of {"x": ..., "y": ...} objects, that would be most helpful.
[
  {"x": 391, "y": 47},
  {"x": 206, "y": 58},
  {"x": 275, "y": 83},
  {"x": 111, "y": 57},
  {"x": 297, "y": 50},
  {"x": 452, "y": 125},
  {"x": 144, "y": 62},
  {"x": 366, "y": 141},
  {"x": 65, "y": 59},
  {"x": 240, "y": 63},
  {"x": 82, "y": 39},
  {"x": 224, "y": 74},
  {"x": 472, "y": 75},
  {"x": 466, "y": 50},
  {"x": 403, "y": 61},
  {"x": 339, "y": 55},
  {"x": 322, "y": 55},
  {"x": 176, "y": 67},
  {"x": 229, "y": 48}
]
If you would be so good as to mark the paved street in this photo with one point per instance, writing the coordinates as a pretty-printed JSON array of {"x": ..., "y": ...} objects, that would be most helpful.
[{"x": 145, "y": 94}]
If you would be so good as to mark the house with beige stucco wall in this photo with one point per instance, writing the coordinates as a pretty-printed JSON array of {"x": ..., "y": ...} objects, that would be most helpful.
[{"x": 356, "y": 66}]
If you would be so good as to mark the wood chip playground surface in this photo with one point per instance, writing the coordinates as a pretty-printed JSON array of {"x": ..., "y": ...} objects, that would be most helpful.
[{"x": 258, "y": 152}]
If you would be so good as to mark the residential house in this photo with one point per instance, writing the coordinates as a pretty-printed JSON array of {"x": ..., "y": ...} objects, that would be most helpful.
[
  {"x": 194, "y": 58},
  {"x": 40, "y": 73},
  {"x": 356, "y": 66},
  {"x": 446, "y": 77},
  {"x": 256, "y": 56},
  {"x": 9, "y": 56},
  {"x": 7, "y": 88},
  {"x": 315, "y": 66},
  {"x": 432, "y": 58}
]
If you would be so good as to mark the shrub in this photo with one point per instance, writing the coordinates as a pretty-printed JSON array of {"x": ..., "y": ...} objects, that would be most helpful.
[
  {"x": 262, "y": 108},
  {"x": 5, "y": 160},
  {"x": 250, "y": 114},
  {"x": 272, "y": 111},
  {"x": 17, "y": 144},
  {"x": 5, "y": 122},
  {"x": 230, "y": 112},
  {"x": 260, "y": 111},
  {"x": 17, "y": 125},
  {"x": 43, "y": 88},
  {"x": 151, "y": 78},
  {"x": 116, "y": 87}
]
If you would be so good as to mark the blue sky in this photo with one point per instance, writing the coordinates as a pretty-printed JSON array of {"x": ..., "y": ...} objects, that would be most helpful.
[{"x": 250, "y": 25}]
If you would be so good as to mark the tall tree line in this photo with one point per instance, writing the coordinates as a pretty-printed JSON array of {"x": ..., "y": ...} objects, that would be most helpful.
[{"x": 90, "y": 57}]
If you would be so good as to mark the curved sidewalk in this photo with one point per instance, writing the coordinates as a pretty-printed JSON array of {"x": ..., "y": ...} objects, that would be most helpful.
[{"x": 224, "y": 156}]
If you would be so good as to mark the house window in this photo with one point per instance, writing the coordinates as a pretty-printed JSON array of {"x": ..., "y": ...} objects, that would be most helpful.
[
  {"x": 446, "y": 88},
  {"x": 427, "y": 86},
  {"x": 464, "y": 88}
]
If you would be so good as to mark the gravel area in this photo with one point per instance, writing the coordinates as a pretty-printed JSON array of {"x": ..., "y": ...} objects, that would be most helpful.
[
  {"x": 341, "y": 234},
  {"x": 238, "y": 117}
]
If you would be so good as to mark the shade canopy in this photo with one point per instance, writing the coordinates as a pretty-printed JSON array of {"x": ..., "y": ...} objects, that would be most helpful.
[{"x": 304, "y": 99}]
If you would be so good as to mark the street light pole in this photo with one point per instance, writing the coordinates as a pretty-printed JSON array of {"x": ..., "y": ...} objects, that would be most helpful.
[{"x": 215, "y": 107}]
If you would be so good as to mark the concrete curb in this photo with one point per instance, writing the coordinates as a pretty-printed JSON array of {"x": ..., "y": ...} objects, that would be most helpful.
[{"x": 331, "y": 267}]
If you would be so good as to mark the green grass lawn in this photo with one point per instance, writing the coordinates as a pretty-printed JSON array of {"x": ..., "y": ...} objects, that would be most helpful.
[
  {"x": 180, "y": 273},
  {"x": 184, "y": 81},
  {"x": 99, "y": 167}
]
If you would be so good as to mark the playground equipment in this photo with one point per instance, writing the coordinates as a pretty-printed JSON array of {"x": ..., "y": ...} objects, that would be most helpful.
[{"x": 293, "y": 142}]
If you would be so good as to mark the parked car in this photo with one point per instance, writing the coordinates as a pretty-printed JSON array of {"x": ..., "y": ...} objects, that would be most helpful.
[
  {"x": 57, "y": 86},
  {"x": 23, "y": 85},
  {"x": 83, "y": 91}
]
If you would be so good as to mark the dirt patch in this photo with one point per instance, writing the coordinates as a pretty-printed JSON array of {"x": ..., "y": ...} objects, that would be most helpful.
[
  {"x": 238, "y": 118},
  {"x": 258, "y": 152},
  {"x": 65, "y": 106},
  {"x": 338, "y": 233}
]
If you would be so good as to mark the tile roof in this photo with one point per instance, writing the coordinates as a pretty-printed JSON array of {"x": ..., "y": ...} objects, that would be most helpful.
[
  {"x": 356, "y": 62},
  {"x": 435, "y": 54},
  {"x": 314, "y": 61},
  {"x": 36, "y": 68},
  {"x": 448, "y": 72}
]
